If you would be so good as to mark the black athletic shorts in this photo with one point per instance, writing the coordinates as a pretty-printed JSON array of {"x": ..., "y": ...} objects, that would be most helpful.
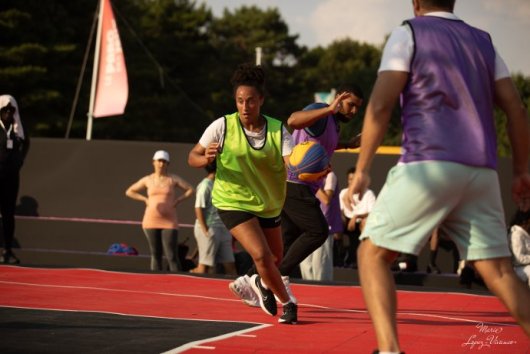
[{"x": 232, "y": 218}]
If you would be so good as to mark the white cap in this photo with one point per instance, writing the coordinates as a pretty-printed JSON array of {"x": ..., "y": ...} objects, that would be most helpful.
[{"x": 161, "y": 155}]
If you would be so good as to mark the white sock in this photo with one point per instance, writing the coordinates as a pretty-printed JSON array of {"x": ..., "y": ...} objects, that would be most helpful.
[
  {"x": 262, "y": 283},
  {"x": 380, "y": 352}
]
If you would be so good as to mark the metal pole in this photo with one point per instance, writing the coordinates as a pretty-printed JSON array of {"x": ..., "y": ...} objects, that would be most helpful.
[
  {"x": 82, "y": 74},
  {"x": 94, "y": 75},
  {"x": 258, "y": 55}
]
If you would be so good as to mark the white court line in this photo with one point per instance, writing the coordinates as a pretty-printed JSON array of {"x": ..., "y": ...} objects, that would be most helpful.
[
  {"x": 197, "y": 344},
  {"x": 226, "y": 279},
  {"x": 257, "y": 324},
  {"x": 117, "y": 290},
  {"x": 456, "y": 319},
  {"x": 333, "y": 309},
  {"x": 147, "y": 274}
]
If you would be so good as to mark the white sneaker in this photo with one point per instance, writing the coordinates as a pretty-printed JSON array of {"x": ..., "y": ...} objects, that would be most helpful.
[
  {"x": 287, "y": 284},
  {"x": 241, "y": 289}
]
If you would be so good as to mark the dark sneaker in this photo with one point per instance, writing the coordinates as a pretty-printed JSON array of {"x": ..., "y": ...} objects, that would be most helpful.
[
  {"x": 290, "y": 314},
  {"x": 265, "y": 296},
  {"x": 433, "y": 268},
  {"x": 8, "y": 257}
]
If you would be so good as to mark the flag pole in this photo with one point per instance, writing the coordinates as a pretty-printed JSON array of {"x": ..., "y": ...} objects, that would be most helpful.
[
  {"x": 82, "y": 74},
  {"x": 94, "y": 75},
  {"x": 258, "y": 55}
]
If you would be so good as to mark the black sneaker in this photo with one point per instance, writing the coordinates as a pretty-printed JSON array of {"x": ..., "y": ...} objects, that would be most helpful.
[
  {"x": 8, "y": 257},
  {"x": 290, "y": 314},
  {"x": 265, "y": 296}
]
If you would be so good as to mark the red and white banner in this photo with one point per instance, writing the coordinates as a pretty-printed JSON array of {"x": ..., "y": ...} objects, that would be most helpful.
[{"x": 112, "y": 87}]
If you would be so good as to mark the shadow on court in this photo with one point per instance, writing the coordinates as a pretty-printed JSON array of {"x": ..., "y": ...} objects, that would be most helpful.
[{"x": 43, "y": 331}]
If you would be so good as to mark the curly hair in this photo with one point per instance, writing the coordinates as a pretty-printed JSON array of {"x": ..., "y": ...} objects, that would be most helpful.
[{"x": 249, "y": 75}]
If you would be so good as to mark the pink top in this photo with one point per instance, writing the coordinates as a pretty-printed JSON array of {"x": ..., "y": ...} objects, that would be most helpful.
[{"x": 160, "y": 212}]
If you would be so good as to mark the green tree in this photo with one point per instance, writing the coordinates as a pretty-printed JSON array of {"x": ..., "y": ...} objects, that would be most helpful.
[
  {"x": 503, "y": 143},
  {"x": 40, "y": 53},
  {"x": 343, "y": 62},
  {"x": 235, "y": 37},
  {"x": 166, "y": 50},
  {"x": 180, "y": 59}
]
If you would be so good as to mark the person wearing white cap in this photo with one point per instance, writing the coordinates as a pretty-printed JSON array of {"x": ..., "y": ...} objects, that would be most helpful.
[
  {"x": 160, "y": 222},
  {"x": 13, "y": 149}
]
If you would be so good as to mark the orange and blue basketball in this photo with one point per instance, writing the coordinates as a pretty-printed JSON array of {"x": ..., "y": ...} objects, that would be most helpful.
[{"x": 309, "y": 161}]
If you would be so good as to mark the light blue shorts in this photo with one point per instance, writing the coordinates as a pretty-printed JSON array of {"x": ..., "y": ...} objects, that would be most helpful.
[{"x": 464, "y": 201}]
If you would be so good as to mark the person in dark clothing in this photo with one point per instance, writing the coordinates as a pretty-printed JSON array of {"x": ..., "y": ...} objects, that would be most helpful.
[{"x": 13, "y": 148}]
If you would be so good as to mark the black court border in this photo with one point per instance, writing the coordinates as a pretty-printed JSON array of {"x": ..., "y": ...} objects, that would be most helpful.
[{"x": 57, "y": 331}]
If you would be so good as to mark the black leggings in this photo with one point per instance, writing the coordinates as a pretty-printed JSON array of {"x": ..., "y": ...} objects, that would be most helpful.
[
  {"x": 165, "y": 239},
  {"x": 8, "y": 199},
  {"x": 304, "y": 226}
]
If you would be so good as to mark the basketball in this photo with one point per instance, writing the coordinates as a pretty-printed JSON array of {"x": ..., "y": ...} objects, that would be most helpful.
[{"x": 309, "y": 161}]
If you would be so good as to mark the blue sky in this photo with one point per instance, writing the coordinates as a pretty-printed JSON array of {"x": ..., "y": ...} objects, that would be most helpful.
[{"x": 319, "y": 22}]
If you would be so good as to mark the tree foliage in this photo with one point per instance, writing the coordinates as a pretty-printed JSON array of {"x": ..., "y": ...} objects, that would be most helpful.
[{"x": 179, "y": 61}]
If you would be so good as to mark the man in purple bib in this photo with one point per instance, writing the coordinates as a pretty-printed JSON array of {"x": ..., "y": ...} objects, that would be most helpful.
[
  {"x": 304, "y": 226},
  {"x": 449, "y": 76}
]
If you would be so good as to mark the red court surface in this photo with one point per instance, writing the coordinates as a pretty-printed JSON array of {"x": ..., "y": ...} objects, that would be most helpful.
[{"x": 332, "y": 318}]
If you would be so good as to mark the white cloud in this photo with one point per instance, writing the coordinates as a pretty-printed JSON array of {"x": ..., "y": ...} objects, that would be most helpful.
[
  {"x": 320, "y": 22},
  {"x": 508, "y": 22},
  {"x": 365, "y": 21},
  {"x": 508, "y": 10}
]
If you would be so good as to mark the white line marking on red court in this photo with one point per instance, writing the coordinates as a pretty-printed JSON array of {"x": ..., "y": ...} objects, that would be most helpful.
[{"x": 237, "y": 300}]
